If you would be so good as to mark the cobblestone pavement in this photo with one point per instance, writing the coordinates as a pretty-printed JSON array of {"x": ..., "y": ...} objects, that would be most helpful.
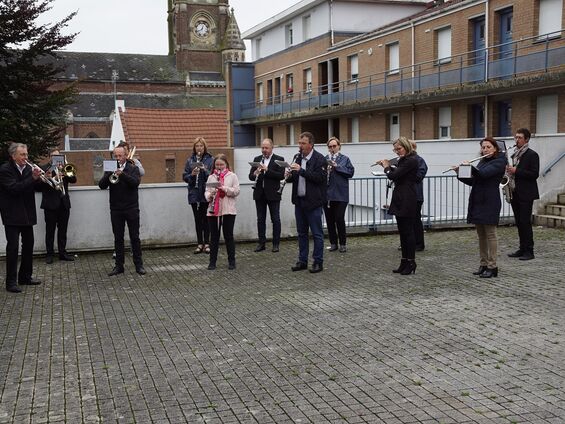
[{"x": 261, "y": 344}]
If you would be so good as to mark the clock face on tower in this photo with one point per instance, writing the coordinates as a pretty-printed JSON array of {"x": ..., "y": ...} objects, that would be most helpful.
[{"x": 202, "y": 29}]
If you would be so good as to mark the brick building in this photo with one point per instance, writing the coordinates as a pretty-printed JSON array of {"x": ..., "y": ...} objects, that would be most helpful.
[{"x": 447, "y": 70}]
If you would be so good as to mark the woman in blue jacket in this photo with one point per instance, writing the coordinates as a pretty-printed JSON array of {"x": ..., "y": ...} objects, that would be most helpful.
[
  {"x": 196, "y": 172},
  {"x": 485, "y": 203},
  {"x": 340, "y": 170}
]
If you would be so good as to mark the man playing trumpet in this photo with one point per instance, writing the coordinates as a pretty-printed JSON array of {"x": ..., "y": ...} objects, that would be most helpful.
[{"x": 124, "y": 208}]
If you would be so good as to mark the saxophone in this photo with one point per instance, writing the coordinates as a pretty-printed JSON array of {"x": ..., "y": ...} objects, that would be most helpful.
[{"x": 507, "y": 184}]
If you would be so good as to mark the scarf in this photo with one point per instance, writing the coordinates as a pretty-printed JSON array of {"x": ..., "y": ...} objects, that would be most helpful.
[
  {"x": 220, "y": 194},
  {"x": 517, "y": 155}
]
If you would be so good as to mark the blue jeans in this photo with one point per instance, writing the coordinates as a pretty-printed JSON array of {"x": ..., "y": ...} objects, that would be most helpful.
[{"x": 309, "y": 219}]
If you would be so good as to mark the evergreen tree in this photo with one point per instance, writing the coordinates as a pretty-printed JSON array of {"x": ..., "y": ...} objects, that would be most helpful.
[{"x": 33, "y": 107}]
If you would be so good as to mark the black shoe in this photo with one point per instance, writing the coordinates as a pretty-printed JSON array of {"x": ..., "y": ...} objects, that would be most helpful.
[
  {"x": 49, "y": 259},
  {"x": 260, "y": 247},
  {"x": 410, "y": 267},
  {"x": 114, "y": 255},
  {"x": 275, "y": 248},
  {"x": 117, "y": 270},
  {"x": 489, "y": 272},
  {"x": 516, "y": 254},
  {"x": 140, "y": 270},
  {"x": 66, "y": 257},
  {"x": 527, "y": 256},
  {"x": 332, "y": 248},
  {"x": 420, "y": 248},
  {"x": 212, "y": 267},
  {"x": 231, "y": 266},
  {"x": 342, "y": 249},
  {"x": 31, "y": 282},
  {"x": 403, "y": 263},
  {"x": 299, "y": 266},
  {"x": 316, "y": 267},
  {"x": 481, "y": 269},
  {"x": 13, "y": 289}
]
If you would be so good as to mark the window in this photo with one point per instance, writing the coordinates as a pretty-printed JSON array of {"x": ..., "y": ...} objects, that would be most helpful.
[
  {"x": 269, "y": 91},
  {"x": 355, "y": 130},
  {"x": 289, "y": 84},
  {"x": 308, "y": 80},
  {"x": 270, "y": 132},
  {"x": 277, "y": 93},
  {"x": 444, "y": 119},
  {"x": 393, "y": 58},
  {"x": 306, "y": 27},
  {"x": 394, "y": 126},
  {"x": 170, "y": 170},
  {"x": 288, "y": 35},
  {"x": 546, "y": 114},
  {"x": 258, "y": 48},
  {"x": 353, "y": 68},
  {"x": 443, "y": 38},
  {"x": 550, "y": 12},
  {"x": 260, "y": 94},
  {"x": 290, "y": 135}
]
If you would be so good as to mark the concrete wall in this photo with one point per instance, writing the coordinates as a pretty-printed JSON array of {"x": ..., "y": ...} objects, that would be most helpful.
[{"x": 166, "y": 218}]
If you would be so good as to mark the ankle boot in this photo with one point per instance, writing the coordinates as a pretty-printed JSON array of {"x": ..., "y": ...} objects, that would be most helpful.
[
  {"x": 490, "y": 272},
  {"x": 481, "y": 269},
  {"x": 403, "y": 263},
  {"x": 410, "y": 267}
]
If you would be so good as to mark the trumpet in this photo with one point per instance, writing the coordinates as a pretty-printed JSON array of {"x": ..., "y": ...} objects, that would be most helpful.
[
  {"x": 283, "y": 183},
  {"x": 452, "y": 168},
  {"x": 47, "y": 180},
  {"x": 70, "y": 170},
  {"x": 115, "y": 177}
]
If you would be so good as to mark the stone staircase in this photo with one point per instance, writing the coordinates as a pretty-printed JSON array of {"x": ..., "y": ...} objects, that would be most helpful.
[{"x": 554, "y": 215}]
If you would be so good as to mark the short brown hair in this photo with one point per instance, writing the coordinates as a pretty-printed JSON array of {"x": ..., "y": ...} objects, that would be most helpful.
[
  {"x": 307, "y": 135},
  {"x": 333, "y": 139},
  {"x": 493, "y": 142}
]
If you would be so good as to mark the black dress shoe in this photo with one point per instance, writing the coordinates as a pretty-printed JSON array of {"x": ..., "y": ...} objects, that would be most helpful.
[
  {"x": 275, "y": 248},
  {"x": 31, "y": 282},
  {"x": 260, "y": 247},
  {"x": 342, "y": 248},
  {"x": 481, "y": 269},
  {"x": 13, "y": 289},
  {"x": 117, "y": 270},
  {"x": 516, "y": 254},
  {"x": 66, "y": 257},
  {"x": 316, "y": 267},
  {"x": 49, "y": 259},
  {"x": 527, "y": 256},
  {"x": 299, "y": 266},
  {"x": 231, "y": 266},
  {"x": 332, "y": 248},
  {"x": 212, "y": 267},
  {"x": 140, "y": 270},
  {"x": 489, "y": 273}
]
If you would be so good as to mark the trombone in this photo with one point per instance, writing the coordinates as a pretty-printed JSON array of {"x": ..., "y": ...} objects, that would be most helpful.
[{"x": 452, "y": 168}]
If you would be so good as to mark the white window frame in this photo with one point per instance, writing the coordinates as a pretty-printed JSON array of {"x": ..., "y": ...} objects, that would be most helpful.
[
  {"x": 354, "y": 67},
  {"x": 393, "y": 58},
  {"x": 308, "y": 77},
  {"x": 547, "y": 114},
  {"x": 306, "y": 27},
  {"x": 258, "y": 48},
  {"x": 391, "y": 118},
  {"x": 288, "y": 35},
  {"x": 355, "y": 129},
  {"x": 549, "y": 22},
  {"x": 443, "y": 37},
  {"x": 444, "y": 122},
  {"x": 260, "y": 92}
]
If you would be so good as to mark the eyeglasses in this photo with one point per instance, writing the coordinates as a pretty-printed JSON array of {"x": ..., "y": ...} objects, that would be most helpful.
[
  {"x": 397, "y": 149},
  {"x": 519, "y": 137},
  {"x": 331, "y": 146}
]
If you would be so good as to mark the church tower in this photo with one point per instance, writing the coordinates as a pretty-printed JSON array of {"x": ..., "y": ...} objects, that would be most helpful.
[{"x": 197, "y": 33}]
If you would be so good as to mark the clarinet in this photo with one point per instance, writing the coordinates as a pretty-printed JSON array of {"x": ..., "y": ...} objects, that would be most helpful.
[
  {"x": 283, "y": 183},
  {"x": 198, "y": 173}
]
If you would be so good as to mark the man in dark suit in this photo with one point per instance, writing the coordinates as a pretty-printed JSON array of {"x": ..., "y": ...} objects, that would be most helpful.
[
  {"x": 308, "y": 174},
  {"x": 124, "y": 208},
  {"x": 267, "y": 177},
  {"x": 18, "y": 183},
  {"x": 56, "y": 205},
  {"x": 523, "y": 175}
]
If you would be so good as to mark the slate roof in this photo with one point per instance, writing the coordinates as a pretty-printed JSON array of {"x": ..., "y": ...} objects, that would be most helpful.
[{"x": 159, "y": 128}]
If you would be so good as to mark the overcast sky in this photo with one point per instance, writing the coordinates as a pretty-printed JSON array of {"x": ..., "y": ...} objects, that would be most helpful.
[{"x": 140, "y": 26}]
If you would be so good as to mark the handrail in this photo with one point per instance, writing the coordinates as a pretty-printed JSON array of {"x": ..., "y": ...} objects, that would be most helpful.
[{"x": 554, "y": 162}]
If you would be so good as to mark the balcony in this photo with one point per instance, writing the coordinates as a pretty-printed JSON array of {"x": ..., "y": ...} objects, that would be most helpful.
[{"x": 532, "y": 57}]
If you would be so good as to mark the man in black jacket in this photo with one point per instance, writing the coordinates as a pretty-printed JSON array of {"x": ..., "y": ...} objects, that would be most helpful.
[
  {"x": 309, "y": 193},
  {"x": 56, "y": 205},
  {"x": 124, "y": 208},
  {"x": 18, "y": 183},
  {"x": 267, "y": 177},
  {"x": 524, "y": 172}
]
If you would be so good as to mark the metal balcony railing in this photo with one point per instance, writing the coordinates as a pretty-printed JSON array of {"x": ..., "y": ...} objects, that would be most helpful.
[
  {"x": 445, "y": 203},
  {"x": 531, "y": 55}
]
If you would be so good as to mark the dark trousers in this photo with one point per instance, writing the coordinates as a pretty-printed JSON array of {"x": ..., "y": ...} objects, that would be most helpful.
[
  {"x": 523, "y": 217},
  {"x": 407, "y": 238},
  {"x": 202, "y": 231},
  {"x": 56, "y": 219},
  {"x": 419, "y": 227},
  {"x": 119, "y": 220},
  {"x": 335, "y": 219},
  {"x": 12, "y": 244},
  {"x": 274, "y": 211},
  {"x": 226, "y": 222},
  {"x": 309, "y": 219}
]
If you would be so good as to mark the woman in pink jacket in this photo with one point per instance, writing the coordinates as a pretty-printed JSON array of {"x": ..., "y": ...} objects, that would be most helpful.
[{"x": 222, "y": 188}]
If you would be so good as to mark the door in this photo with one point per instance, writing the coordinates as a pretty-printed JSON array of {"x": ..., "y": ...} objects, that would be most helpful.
[
  {"x": 478, "y": 40},
  {"x": 505, "y": 118},
  {"x": 478, "y": 120},
  {"x": 506, "y": 48},
  {"x": 394, "y": 126}
]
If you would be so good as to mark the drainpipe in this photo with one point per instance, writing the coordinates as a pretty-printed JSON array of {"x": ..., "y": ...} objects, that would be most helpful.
[
  {"x": 331, "y": 23},
  {"x": 413, "y": 78},
  {"x": 487, "y": 47}
]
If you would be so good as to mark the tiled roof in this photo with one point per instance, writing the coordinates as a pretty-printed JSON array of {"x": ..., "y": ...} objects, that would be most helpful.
[{"x": 160, "y": 128}]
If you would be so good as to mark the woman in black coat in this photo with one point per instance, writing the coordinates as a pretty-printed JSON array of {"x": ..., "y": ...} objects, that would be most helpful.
[
  {"x": 485, "y": 203},
  {"x": 404, "y": 203}
]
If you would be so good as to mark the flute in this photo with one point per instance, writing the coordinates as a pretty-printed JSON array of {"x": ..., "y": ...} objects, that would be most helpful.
[{"x": 470, "y": 161}]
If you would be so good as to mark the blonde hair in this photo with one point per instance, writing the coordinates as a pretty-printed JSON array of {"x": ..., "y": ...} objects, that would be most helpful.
[
  {"x": 202, "y": 141},
  {"x": 405, "y": 143}
]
